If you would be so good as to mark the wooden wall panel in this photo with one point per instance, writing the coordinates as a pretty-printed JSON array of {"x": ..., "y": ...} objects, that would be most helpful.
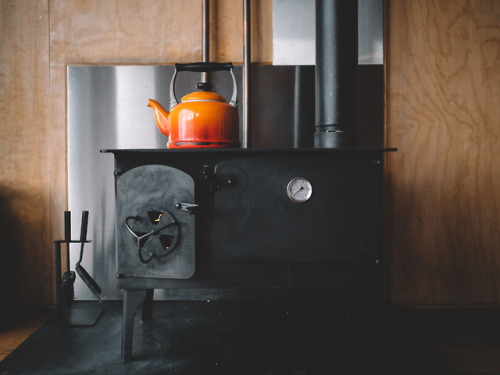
[
  {"x": 227, "y": 31},
  {"x": 25, "y": 250},
  {"x": 124, "y": 31},
  {"x": 443, "y": 185},
  {"x": 443, "y": 193}
]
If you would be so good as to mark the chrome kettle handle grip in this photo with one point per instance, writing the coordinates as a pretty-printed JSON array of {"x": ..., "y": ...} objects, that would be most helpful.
[
  {"x": 234, "y": 97},
  {"x": 202, "y": 67},
  {"x": 173, "y": 99}
]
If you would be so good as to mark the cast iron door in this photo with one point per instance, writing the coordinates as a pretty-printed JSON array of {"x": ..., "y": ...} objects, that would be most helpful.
[{"x": 155, "y": 238}]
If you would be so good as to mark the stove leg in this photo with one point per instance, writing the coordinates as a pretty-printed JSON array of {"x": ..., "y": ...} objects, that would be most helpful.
[
  {"x": 147, "y": 307},
  {"x": 132, "y": 299}
]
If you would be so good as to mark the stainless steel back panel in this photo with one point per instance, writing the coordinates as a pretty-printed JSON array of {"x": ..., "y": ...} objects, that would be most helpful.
[{"x": 107, "y": 107}]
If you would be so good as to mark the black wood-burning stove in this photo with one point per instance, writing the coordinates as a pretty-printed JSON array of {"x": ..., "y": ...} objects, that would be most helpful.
[
  {"x": 239, "y": 223},
  {"x": 260, "y": 223}
]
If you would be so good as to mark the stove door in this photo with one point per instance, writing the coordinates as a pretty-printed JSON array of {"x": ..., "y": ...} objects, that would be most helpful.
[
  {"x": 297, "y": 209},
  {"x": 155, "y": 238}
]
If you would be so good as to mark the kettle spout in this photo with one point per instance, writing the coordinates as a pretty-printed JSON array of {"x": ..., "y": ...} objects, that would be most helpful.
[{"x": 161, "y": 117}]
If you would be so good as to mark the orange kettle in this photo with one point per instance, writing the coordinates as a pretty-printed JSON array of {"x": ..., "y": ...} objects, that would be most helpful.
[{"x": 202, "y": 119}]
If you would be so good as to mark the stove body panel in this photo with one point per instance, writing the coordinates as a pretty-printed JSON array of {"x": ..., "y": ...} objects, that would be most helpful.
[{"x": 249, "y": 235}]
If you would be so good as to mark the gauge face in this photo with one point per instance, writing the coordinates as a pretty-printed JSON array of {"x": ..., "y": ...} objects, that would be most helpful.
[{"x": 299, "y": 190}]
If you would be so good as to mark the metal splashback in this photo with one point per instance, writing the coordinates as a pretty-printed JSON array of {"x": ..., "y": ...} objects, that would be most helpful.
[
  {"x": 294, "y": 32},
  {"x": 97, "y": 118}
]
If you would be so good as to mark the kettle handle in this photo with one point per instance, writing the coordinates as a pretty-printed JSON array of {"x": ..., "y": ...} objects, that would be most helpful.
[{"x": 202, "y": 67}]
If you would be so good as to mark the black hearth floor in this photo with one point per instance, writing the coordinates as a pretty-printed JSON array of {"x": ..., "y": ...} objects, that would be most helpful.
[{"x": 230, "y": 337}]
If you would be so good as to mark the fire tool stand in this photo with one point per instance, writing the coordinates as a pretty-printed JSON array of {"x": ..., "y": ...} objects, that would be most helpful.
[{"x": 66, "y": 315}]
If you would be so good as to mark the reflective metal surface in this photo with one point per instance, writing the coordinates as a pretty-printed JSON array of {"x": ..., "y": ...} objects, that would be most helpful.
[
  {"x": 106, "y": 109},
  {"x": 294, "y": 32},
  {"x": 371, "y": 32}
]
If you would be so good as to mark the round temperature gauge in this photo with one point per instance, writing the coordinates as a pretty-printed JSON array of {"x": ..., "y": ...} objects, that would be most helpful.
[{"x": 299, "y": 190}]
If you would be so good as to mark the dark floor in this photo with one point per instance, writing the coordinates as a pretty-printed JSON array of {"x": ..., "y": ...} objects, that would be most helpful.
[{"x": 292, "y": 338}]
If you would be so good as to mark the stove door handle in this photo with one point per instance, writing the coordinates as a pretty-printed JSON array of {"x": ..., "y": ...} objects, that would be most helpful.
[
  {"x": 190, "y": 208},
  {"x": 154, "y": 231}
]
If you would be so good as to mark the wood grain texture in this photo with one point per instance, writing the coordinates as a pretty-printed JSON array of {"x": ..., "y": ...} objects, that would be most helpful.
[
  {"x": 125, "y": 31},
  {"x": 25, "y": 253},
  {"x": 443, "y": 185},
  {"x": 262, "y": 31},
  {"x": 19, "y": 328},
  {"x": 227, "y": 30}
]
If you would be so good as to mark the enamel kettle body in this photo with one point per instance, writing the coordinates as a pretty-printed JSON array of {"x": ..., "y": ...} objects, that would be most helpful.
[{"x": 202, "y": 119}]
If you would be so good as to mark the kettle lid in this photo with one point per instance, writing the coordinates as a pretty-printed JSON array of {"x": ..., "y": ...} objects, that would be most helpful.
[{"x": 203, "y": 96}]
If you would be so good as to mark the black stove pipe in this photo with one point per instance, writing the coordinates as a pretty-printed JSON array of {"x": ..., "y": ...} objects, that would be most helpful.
[
  {"x": 303, "y": 115},
  {"x": 336, "y": 73}
]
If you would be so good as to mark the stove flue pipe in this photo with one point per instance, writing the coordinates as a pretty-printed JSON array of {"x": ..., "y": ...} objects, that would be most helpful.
[{"x": 336, "y": 73}]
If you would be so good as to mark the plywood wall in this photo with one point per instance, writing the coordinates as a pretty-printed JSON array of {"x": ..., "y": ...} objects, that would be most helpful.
[
  {"x": 25, "y": 186},
  {"x": 443, "y": 185},
  {"x": 442, "y": 104},
  {"x": 38, "y": 39}
]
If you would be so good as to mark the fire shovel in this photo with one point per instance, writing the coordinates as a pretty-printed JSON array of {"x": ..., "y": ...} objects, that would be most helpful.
[{"x": 82, "y": 272}]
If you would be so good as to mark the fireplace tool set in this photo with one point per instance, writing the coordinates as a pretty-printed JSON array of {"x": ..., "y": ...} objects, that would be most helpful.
[{"x": 65, "y": 284}]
